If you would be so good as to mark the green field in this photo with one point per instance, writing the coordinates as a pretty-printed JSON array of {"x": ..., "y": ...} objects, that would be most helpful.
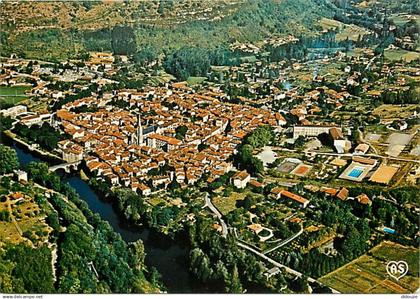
[
  {"x": 397, "y": 54},
  {"x": 250, "y": 58},
  {"x": 368, "y": 275},
  {"x": 352, "y": 32},
  {"x": 227, "y": 204},
  {"x": 195, "y": 80},
  {"x": 11, "y": 95},
  {"x": 400, "y": 20},
  {"x": 160, "y": 78}
]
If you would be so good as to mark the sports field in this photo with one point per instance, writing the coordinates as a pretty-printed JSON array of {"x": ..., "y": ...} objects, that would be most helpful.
[
  {"x": 368, "y": 275},
  {"x": 11, "y": 95}
]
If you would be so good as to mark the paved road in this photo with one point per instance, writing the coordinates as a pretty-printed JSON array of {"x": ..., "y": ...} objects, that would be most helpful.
[
  {"x": 365, "y": 155},
  {"x": 210, "y": 205},
  {"x": 281, "y": 183},
  {"x": 371, "y": 61},
  {"x": 9, "y": 208},
  {"x": 285, "y": 242},
  {"x": 281, "y": 266}
]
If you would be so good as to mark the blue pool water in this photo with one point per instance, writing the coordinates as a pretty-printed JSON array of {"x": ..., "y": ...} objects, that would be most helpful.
[
  {"x": 355, "y": 172},
  {"x": 389, "y": 230}
]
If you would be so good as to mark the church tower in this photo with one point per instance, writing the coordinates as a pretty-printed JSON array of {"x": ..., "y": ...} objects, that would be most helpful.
[{"x": 139, "y": 131}]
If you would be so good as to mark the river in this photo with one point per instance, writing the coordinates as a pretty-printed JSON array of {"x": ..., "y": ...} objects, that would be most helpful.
[{"x": 169, "y": 257}]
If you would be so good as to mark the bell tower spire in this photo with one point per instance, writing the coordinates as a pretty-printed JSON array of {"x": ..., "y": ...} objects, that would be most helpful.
[{"x": 139, "y": 130}]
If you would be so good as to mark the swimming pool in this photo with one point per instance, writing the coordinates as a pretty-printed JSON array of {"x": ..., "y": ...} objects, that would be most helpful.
[
  {"x": 355, "y": 172},
  {"x": 389, "y": 230}
]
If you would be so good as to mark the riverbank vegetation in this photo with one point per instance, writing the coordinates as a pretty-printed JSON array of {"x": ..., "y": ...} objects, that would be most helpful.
[
  {"x": 8, "y": 159},
  {"x": 91, "y": 256},
  {"x": 47, "y": 137}
]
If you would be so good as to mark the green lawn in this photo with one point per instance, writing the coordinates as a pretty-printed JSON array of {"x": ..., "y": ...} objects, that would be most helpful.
[
  {"x": 227, "y": 204},
  {"x": 402, "y": 20},
  {"x": 397, "y": 54},
  {"x": 251, "y": 58},
  {"x": 195, "y": 80},
  {"x": 11, "y": 95}
]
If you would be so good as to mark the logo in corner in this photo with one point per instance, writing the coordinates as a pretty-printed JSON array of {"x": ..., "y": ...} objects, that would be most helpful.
[{"x": 397, "y": 270}]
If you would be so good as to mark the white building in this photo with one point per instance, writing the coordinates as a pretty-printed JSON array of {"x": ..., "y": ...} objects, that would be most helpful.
[
  {"x": 14, "y": 111},
  {"x": 241, "y": 179},
  {"x": 311, "y": 131}
]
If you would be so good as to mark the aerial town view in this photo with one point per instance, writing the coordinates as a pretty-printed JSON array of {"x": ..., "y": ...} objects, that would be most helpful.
[{"x": 213, "y": 146}]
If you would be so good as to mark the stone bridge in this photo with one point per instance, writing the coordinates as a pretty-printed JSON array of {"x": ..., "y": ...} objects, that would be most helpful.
[{"x": 67, "y": 167}]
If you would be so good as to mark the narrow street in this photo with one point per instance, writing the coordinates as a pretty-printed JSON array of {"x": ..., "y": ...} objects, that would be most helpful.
[
  {"x": 210, "y": 205},
  {"x": 285, "y": 242}
]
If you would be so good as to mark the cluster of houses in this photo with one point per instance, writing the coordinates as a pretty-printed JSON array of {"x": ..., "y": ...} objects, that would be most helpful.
[{"x": 137, "y": 147}]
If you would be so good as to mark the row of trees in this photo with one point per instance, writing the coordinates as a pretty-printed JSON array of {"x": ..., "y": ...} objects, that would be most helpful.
[{"x": 410, "y": 96}]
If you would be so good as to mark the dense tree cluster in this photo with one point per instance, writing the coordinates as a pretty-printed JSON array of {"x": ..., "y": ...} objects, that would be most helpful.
[
  {"x": 93, "y": 257},
  {"x": 146, "y": 55},
  {"x": 220, "y": 261},
  {"x": 46, "y": 136},
  {"x": 409, "y": 96},
  {"x": 123, "y": 40},
  {"x": 8, "y": 159},
  {"x": 130, "y": 204},
  {"x": 6, "y": 122},
  {"x": 180, "y": 132},
  {"x": 187, "y": 62},
  {"x": 21, "y": 268},
  {"x": 260, "y": 137}
]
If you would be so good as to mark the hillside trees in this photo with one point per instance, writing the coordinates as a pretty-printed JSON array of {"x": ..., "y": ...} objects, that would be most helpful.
[
  {"x": 220, "y": 261},
  {"x": 123, "y": 40},
  {"x": 146, "y": 55},
  {"x": 29, "y": 264},
  {"x": 187, "y": 62}
]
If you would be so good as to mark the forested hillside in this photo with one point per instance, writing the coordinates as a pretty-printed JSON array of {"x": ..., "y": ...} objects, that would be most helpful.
[{"x": 66, "y": 29}]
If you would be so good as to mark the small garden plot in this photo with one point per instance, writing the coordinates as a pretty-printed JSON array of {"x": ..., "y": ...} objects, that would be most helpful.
[{"x": 227, "y": 204}]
